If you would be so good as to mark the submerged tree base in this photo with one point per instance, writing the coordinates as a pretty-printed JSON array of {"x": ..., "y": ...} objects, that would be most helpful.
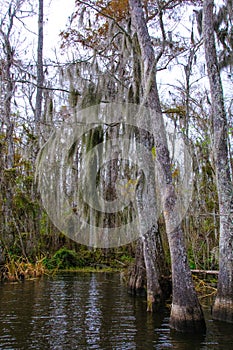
[
  {"x": 187, "y": 319},
  {"x": 137, "y": 281},
  {"x": 223, "y": 309},
  {"x": 154, "y": 302}
]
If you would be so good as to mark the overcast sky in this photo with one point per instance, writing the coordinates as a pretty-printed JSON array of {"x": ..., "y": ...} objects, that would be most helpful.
[{"x": 56, "y": 13}]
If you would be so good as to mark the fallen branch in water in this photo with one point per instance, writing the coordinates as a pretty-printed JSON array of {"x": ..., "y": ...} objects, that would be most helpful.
[
  {"x": 204, "y": 288},
  {"x": 208, "y": 272}
]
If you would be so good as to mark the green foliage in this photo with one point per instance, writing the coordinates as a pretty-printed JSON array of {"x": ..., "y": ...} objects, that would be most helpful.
[
  {"x": 84, "y": 257},
  {"x": 126, "y": 259},
  {"x": 191, "y": 259},
  {"x": 64, "y": 259}
]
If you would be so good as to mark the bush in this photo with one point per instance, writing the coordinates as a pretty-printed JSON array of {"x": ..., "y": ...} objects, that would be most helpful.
[{"x": 64, "y": 259}]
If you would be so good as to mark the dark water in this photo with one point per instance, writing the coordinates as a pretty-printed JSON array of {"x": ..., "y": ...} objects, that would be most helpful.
[{"x": 91, "y": 311}]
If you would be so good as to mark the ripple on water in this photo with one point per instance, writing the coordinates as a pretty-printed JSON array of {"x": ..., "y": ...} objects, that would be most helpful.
[{"x": 91, "y": 311}]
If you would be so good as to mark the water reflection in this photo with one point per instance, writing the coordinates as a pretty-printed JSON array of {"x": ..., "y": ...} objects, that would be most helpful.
[
  {"x": 91, "y": 311},
  {"x": 93, "y": 315}
]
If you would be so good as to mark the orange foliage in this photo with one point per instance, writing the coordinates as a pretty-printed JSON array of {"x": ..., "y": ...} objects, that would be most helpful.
[
  {"x": 118, "y": 10},
  {"x": 115, "y": 9},
  {"x": 93, "y": 37}
]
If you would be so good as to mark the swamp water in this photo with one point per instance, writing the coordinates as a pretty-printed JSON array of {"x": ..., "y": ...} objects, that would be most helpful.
[{"x": 92, "y": 311}]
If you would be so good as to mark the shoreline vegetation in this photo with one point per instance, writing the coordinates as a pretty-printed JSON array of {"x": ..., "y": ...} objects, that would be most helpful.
[{"x": 19, "y": 269}]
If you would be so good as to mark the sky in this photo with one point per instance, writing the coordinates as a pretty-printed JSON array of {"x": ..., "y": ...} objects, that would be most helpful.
[
  {"x": 56, "y": 16},
  {"x": 56, "y": 13}
]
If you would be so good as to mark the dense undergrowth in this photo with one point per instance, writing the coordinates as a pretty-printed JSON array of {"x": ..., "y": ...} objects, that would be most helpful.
[{"x": 17, "y": 268}]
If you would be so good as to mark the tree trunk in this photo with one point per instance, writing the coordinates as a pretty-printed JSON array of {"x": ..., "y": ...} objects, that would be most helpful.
[
  {"x": 223, "y": 305},
  {"x": 38, "y": 107},
  {"x": 152, "y": 247},
  {"x": 137, "y": 274},
  {"x": 186, "y": 312},
  {"x": 156, "y": 269},
  {"x": 151, "y": 242},
  {"x": 40, "y": 73},
  {"x": 8, "y": 92},
  {"x": 146, "y": 200}
]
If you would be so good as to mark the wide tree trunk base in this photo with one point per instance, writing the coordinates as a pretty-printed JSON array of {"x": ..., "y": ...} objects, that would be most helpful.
[
  {"x": 187, "y": 319},
  {"x": 136, "y": 281},
  {"x": 223, "y": 309},
  {"x": 136, "y": 286}
]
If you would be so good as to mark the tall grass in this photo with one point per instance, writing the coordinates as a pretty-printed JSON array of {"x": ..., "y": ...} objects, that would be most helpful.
[{"x": 19, "y": 269}]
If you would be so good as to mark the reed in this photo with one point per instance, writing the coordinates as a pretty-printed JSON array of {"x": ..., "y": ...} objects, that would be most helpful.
[{"x": 18, "y": 269}]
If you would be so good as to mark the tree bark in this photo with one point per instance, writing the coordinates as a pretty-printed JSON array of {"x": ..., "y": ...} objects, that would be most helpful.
[
  {"x": 137, "y": 274},
  {"x": 153, "y": 252},
  {"x": 40, "y": 73},
  {"x": 8, "y": 92},
  {"x": 186, "y": 312},
  {"x": 157, "y": 288},
  {"x": 223, "y": 305}
]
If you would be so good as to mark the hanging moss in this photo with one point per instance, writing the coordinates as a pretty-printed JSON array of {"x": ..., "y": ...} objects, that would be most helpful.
[
  {"x": 50, "y": 108},
  {"x": 91, "y": 96},
  {"x": 73, "y": 97},
  {"x": 72, "y": 150},
  {"x": 130, "y": 97},
  {"x": 95, "y": 137}
]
